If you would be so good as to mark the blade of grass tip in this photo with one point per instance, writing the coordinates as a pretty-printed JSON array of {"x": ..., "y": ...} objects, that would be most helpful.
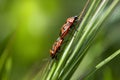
[
  {"x": 102, "y": 63},
  {"x": 86, "y": 16},
  {"x": 94, "y": 9},
  {"x": 83, "y": 11},
  {"x": 72, "y": 57},
  {"x": 81, "y": 26}
]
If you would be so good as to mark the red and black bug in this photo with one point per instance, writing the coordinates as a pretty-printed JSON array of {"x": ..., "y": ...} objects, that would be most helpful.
[
  {"x": 63, "y": 32},
  {"x": 66, "y": 27},
  {"x": 56, "y": 47}
]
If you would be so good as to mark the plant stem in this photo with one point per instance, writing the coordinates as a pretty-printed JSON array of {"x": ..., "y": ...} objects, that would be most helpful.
[
  {"x": 107, "y": 59},
  {"x": 102, "y": 63}
]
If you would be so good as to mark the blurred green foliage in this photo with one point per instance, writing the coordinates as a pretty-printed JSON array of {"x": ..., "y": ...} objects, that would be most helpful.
[{"x": 28, "y": 29}]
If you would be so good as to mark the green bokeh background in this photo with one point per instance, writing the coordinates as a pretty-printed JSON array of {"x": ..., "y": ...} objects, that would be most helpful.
[{"x": 28, "y": 29}]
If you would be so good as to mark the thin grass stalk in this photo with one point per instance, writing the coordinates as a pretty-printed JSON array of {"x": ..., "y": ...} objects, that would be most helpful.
[{"x": 102, "y": 63}]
